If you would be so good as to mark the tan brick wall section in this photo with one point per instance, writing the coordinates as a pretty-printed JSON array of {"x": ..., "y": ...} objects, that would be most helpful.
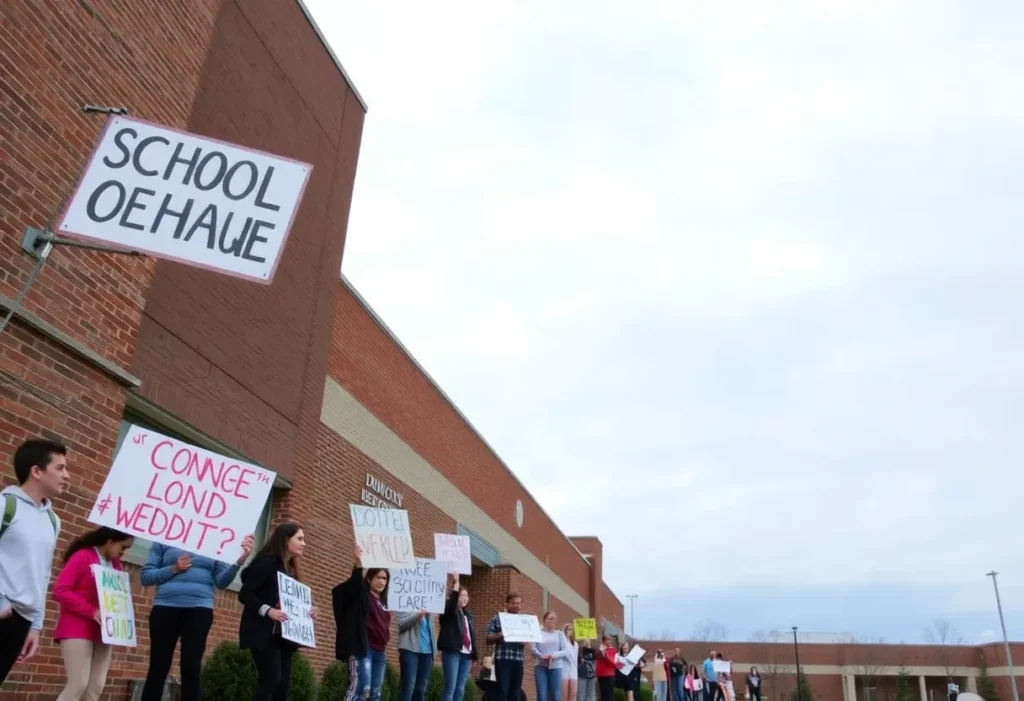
[{"x": 343, "y": 414}]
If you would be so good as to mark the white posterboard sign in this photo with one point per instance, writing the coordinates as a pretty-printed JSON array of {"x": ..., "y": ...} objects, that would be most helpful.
[
  {"x": 297, "y": 603},
  {"x": 721, "y": 666},
  {"x": 117, "y": 611},
  {"x": 519, "y": 628},
  {"x": 383, "y": 536},
  {"x": 632, "y": 659},
  {"x": 163, "y": 489},
  {"x": 187, "y": 198},
  {"x": 419, "y": 588},
  {"x": 454, "y": 550}
]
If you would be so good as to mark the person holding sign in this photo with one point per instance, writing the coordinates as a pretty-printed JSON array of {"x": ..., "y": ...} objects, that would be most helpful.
[
  {"x": 363, "y": 626},
  {"x": 508, "y": 656},
  {"x": 608, "y": 665},
  {"x": 78, "y": 631},
  {"x": 183, "y": 609},
  {"x": 457, "y": 642},
  {"x": 548, "y": 657},
  {"x": 259, "y": 629}
]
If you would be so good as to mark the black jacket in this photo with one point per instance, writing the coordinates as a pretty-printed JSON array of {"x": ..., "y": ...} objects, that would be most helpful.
[
  {"x": 449, "y": 637},
  {"x": 259, "y": 588},
  {"x": 351, "y": 603}
]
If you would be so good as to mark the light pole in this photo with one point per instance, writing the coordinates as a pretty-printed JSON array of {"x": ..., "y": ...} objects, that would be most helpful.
[
  {"x": 632, "y": 618},
  {"x": 1006, "y": 641},
  {"x": 796, "y": 651}
]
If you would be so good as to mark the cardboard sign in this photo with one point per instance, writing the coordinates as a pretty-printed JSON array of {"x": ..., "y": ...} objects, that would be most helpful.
[
  {"x": 187, "y": 198},
  {"x": 420, "y": 588},
  {"x": 117, "y": 612},
  {"x": 721, "y": 666},
  {"x": 163, "y": 489},
  {"x": 585, "y": 628},
  {"x": 297, "y": 603},
  {"x": 520, "y": 628},
  {"x": 383, "y": 536},
  {"x": 454, "y": 550}
]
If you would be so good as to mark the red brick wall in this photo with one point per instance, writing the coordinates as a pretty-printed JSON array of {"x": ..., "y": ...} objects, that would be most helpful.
[
  {"x": 241, "y": 361},
  {"x": 376, "y": 371}
]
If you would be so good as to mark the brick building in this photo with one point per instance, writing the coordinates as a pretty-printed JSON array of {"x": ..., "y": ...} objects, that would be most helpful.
[
  {"x": 849, "y": 671},
  {"x": 299, "y": 376}
]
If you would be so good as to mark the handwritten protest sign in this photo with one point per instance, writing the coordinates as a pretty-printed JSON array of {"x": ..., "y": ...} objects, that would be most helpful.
[
  {"x": 585, "y": 628},
  {"x": 163, "y": 489},
  {"x": 630, "y": 661},
  {"x": 722, "y": 666},
  {"x": 297, "y": 603},
  {"x": 419, "y": 588},
  {"x": 454, "y": 550},
  {"x": 117, "y": 613},
  {"x": 383, "y": 536},
  {"x": 519, "y": 628}
]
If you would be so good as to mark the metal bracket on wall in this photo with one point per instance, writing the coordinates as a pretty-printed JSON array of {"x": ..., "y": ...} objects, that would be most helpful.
[{"x": 39, "y": 243}]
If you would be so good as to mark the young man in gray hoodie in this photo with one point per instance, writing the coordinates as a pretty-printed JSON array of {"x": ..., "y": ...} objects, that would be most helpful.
[{"x": 28, "y": 536}]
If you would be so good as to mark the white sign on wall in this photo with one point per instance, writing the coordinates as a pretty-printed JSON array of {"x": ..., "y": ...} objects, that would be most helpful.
[
  {"x": 163, "y": 489},
  {"x": 519, "y": 628},
  {"x": 187, "y": 198}
]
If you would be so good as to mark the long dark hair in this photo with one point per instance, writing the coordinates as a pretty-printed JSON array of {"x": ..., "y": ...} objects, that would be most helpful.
[
  {"x": 370, "y": 574},
  {"x": 95, "y": 539},
  {"x": 277, "y": 546}
]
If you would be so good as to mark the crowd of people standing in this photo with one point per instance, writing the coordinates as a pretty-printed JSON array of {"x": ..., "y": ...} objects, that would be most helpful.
[{"x": 675, "y": 680}]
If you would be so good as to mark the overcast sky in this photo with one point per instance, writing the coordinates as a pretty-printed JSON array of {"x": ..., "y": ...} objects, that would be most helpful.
[{"x": 735, "y": 286}]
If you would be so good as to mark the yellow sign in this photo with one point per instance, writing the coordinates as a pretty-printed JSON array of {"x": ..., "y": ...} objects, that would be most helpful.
[{"x": 585, "y": 628}]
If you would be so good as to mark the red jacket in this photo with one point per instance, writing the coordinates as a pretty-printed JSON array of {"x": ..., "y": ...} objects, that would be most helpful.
[{"x": 607, "y": 664}]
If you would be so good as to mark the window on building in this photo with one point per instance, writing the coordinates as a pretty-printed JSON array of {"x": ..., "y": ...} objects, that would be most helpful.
[{"x": 139, "y": 551}]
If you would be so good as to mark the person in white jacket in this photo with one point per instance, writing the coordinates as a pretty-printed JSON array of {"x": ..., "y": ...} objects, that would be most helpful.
[
  {"x": 549, "y": 655},
  {"x": 28, "y": 536}
]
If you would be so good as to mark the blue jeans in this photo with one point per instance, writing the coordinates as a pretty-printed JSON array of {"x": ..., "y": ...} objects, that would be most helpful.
[
  {"x": 678, "y": 690},
  {"x": 549, "y": 683},
  {"x": 455, "y": 669},
  {"x": 371, "y": 675},
  {"x": 414, "y": 670}
]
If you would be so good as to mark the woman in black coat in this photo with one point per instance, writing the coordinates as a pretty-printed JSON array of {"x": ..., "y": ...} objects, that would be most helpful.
[
  {"x": 259, "y": 630},
  {"x": 457, "y": 641},
  {"x": 363, "y": 626}
]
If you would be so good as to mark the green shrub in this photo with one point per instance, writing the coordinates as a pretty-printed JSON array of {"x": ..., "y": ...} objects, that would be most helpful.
[
  {"x": 469, "y": 694},
  {"x": 619, "y": 694},
  {"x": 435, "y": 685},
  {"x": 229, "y": 674},
  {"x": 303, "y": 679},
  {"x": 391, "y": 690},
  {"x": 646, "y": 693},
  {"x": 334, "y": 682}
]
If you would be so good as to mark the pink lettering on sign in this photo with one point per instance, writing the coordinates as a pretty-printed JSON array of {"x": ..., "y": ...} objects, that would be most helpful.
[{"x": 165, "y": 490}]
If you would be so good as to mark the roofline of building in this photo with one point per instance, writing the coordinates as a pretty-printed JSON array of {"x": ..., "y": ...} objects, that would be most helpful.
[
  {"x": 444, "y": 395},
  {"x": 334, "y": 57}
]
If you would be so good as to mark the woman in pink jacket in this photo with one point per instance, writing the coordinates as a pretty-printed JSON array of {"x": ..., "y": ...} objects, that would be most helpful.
[{"x": 86, "y": 657}]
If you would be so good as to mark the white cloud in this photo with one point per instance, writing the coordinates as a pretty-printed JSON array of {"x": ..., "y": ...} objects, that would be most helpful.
[{"x": 751, "y": 268}]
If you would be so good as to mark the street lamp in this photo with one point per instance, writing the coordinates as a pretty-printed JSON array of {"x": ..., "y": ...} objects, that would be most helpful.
[
  {"x": 632, "y": 618},
  {"x": 796, "y": 651},
  {"x": 1006, "y": 641}
]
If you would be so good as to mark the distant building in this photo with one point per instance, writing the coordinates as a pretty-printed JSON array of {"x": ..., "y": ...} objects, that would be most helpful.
[{"x": 839, "y": 669}]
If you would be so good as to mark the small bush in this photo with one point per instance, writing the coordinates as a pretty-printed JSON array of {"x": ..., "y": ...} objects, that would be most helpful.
[
  {"x": 646, "y": 693},
  {"x": 334, "y": 682},
  {"x": 303, "y": 679},
  {"x": 229, "y": 674},
  {"x": 391, "y": 690},
  {"x": 619, "y": 694}
]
